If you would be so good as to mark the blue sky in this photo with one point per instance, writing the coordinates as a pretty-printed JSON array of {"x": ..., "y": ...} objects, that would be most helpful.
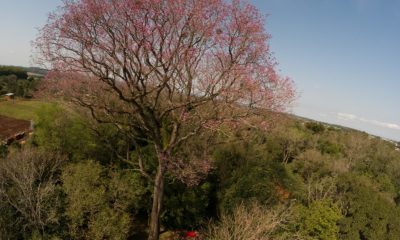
[
  {"x": 344, "y": 55},
  {"x": 19, "y": 21}
]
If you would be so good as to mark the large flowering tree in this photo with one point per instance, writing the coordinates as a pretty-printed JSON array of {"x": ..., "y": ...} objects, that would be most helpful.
[{"x": 165, "y": 69}]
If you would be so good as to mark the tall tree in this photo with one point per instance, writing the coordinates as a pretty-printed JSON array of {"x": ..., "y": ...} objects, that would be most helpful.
[{"x": 165, "y": 69}]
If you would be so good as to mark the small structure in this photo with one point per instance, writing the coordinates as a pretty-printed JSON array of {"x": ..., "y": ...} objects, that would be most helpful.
[
  {"x": 12, "y": 129},
  {"x": 9, "y": 96}
]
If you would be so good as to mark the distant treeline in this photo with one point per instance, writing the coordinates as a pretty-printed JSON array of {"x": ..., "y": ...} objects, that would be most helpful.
[
  {"x": 36, "y": 70},
  {"x": 19, "y": 72},
  {"x": 16, "y": 80}
]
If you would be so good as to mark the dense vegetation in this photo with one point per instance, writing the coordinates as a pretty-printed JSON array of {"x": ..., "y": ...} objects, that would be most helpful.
[
  {"x": 16, "y": 80},
  {"x": 299, "y": 180}
]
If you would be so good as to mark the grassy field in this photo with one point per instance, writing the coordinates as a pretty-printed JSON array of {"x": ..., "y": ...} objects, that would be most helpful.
[{"x": 21, "y": 109}]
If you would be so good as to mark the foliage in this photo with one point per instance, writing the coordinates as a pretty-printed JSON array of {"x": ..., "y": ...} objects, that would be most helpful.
[
  {"x": 186, "y": 207},
  {"x": 3, "y": 151},
  {"x": 330, "y": 148},
  {"x": 246, "y": 175},
  {"x": 315, "y": 127},
  {"x": 264, "y": 182},
  {"x": 348, "y": 194},
  {"x": 250, "y": 222},
  {"x": 368, "y": 215},
  {"x": 60, "y": 130},
  {"x": 318, "y": 220},
  {"x": 99, "y": 206},
  {"x": 24, "y": 87},
  {"x": 29, "y": 192}
]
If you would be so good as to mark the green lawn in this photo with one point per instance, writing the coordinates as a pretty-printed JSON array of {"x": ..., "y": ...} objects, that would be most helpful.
[{"x": 22, "y": 109}]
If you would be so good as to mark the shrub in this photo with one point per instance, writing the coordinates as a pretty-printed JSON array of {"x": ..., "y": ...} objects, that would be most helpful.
[{"x": 254, "y": 222}]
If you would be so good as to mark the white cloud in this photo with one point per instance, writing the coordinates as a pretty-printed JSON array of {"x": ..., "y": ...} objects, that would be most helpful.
[
  {"x": 354, "y": 118},
  {"x": 346, "y": 116}
]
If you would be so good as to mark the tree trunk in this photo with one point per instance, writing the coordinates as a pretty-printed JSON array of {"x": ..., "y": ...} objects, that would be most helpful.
[{"x": 158, "y": 193}]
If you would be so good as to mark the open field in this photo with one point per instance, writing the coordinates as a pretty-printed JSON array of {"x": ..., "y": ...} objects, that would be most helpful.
[{"x": 22, "y": 109}]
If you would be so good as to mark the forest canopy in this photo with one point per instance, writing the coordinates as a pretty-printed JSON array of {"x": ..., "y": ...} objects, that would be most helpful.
[{"x": 291, "y": 183}]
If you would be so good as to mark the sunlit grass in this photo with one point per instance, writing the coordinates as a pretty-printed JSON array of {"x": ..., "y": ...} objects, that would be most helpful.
[{"x": 22, "y": 109}]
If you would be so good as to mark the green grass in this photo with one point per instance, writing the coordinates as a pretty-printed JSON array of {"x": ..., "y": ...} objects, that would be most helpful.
[{"x": 22, "y": 109}]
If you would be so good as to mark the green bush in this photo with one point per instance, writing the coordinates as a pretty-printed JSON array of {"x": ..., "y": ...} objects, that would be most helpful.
[
  {"x": 186, "y": 207},
  {"x": 61, "y": 130},
  {"x": 318, "y": 220},
  {"x": 247, "y": 176},
  {"x": 315, "y": 127},
  {"x": 99, "y": 205}
]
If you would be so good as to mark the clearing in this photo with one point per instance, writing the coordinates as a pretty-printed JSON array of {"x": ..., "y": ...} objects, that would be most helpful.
[{"x": 21, "y": 109}]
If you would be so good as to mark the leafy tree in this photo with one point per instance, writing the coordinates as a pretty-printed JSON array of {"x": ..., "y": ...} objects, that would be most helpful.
[
  {"x": 367, "y": 214},
  {"x": 60, "y": 129},
  {"x": 247, "y": 176},
  {"x": 292, "y": 143},
  {"x": 98, "y": 206},
  {"x": 8, "y": 84},
  {"x": 20, "y": 87},
  {"x": 315, "y": 127},
  {"x": 355, "y": 146},
  {"x": 312, "y": 164},
  {"x": 186, "y": 207},
  {"x": 328, "y": 147},
  {"x": 318, "y": 220}
]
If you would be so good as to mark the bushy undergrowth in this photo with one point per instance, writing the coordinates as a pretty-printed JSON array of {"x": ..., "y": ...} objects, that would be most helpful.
[{"x": 297, "y": 181}]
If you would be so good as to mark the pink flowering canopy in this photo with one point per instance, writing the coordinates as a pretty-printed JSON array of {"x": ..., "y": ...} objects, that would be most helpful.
[
  {"x": 165, "y": 68},
  {"x": 168, "y": 53}
]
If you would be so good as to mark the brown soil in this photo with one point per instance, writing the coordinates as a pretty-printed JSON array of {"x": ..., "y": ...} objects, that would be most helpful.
[{"x": 9, "y": 127}]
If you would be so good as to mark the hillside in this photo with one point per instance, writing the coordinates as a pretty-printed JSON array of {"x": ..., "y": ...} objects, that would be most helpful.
[
  {"x": 21, "y": 71},
  {"x": 36, "y": 71}
]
